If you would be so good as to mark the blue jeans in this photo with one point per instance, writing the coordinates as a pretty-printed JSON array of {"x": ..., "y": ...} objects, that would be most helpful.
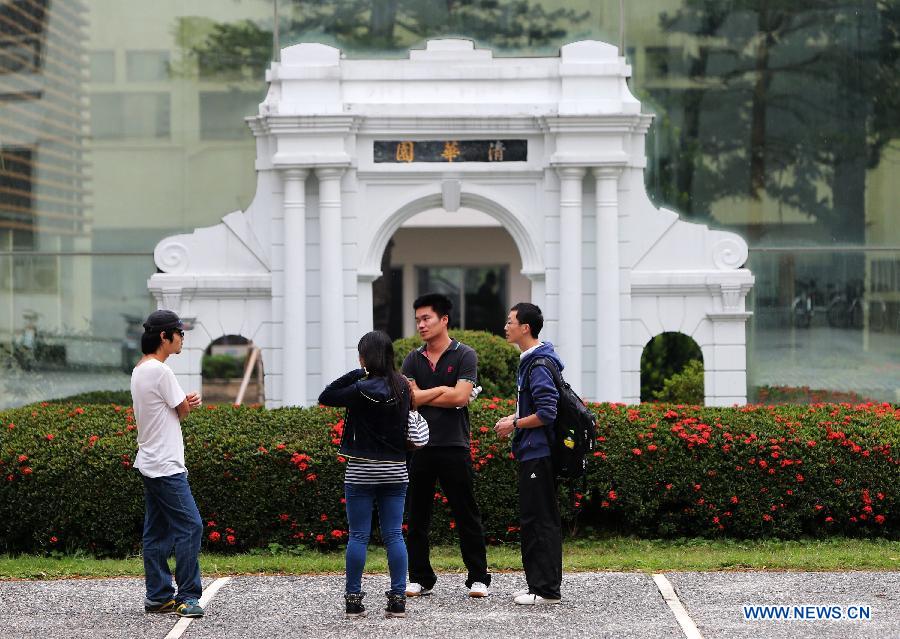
[
  {"x": 390, "y": 500},
  {"x": 171, "y": 520}
]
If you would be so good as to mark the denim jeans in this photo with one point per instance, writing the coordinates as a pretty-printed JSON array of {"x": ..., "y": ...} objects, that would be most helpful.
[
  {"x": 171, "y": 521},
  {"x": 389, "y": 499}
]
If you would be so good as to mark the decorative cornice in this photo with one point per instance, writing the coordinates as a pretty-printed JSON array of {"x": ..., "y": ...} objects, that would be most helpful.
[
  {"x": 615, "y": 123},
  {"x": 367, "y": 276},
  {"x": 302, "y": 124},
  {"x": 730, "y": 317},
  {"x": 590, "y": 160},
  {"x": 690, "y": 283},
  {"x": 205, "y": 286},
  {"x": 449, "y": 126}
]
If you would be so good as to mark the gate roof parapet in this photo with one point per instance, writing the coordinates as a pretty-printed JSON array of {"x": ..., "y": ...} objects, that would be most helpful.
[{"x": 450, "y": 77}]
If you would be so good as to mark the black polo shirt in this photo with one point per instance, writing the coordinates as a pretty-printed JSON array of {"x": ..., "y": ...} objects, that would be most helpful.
[{"x": 446, "y": 426}]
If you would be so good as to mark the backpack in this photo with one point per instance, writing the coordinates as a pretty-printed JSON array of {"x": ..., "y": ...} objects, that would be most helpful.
[{"x": 575, "y": 428}]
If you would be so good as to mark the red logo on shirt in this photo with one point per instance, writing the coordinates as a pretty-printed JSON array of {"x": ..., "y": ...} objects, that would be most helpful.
[{"x": 449, "y": 369}]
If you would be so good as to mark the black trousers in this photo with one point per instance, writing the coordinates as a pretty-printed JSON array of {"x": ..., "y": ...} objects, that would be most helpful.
[
  {"x": 541, "y": 527},
  {"x": 452, "y": 467}
]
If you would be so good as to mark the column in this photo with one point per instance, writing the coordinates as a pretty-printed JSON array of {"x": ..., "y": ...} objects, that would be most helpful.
[
  {"x": 331, "y": 269},
  {"x": 609, "y": 326},
  {"x": 570, "y": 213},
  {"x": 293, "y": 326},
  {"x": 364, "y": 296}
]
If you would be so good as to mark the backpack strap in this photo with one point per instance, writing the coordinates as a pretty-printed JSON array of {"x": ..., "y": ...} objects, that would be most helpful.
[{"x": 547, "y": 363}]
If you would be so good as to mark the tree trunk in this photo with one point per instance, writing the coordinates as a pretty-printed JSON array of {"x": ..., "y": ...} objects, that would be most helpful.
[{"x": 381, "y": 22}]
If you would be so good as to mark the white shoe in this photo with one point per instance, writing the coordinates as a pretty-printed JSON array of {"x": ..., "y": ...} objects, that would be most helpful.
[
  {"x": 479, "y": 589},
  {"x": 519, "y": 593},
  {"x": 529, "y": 599},
  {"x": 416, "y": 590}
]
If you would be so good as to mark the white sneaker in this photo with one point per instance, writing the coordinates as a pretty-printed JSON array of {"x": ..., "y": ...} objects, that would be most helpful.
[
  {"x": 479, "y": 589},
  {"x": 519, "y": 593},
  {"x": 416, "y": 590},
  {"x": 529, "y": 599}
]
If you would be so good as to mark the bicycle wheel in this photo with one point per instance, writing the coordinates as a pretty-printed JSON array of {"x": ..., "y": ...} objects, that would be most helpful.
[
  {"x": 877, "y": 316},
  {"x": 800, "y": 314},
  {"x": 837, "y": 314}
]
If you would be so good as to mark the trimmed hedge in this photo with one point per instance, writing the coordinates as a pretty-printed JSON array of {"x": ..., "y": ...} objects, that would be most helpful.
[
  {"x": 262, "y": 477},
  {"x": 497, "y": 359}
]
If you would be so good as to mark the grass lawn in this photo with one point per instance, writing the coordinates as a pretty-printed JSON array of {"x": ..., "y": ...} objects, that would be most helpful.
[{"x": 617, "y": 554}]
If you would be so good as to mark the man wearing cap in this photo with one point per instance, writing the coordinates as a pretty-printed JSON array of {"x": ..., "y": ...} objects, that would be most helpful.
[{"x": 171, "y": 518}]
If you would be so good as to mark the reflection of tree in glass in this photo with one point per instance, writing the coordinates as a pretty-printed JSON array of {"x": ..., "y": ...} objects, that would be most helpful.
[
  {"x": 244, "y": 48},
  {"x": 785, "y": 97}
]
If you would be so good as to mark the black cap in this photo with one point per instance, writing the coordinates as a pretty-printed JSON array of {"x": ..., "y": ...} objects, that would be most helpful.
[{"x": 163, "y": 321}]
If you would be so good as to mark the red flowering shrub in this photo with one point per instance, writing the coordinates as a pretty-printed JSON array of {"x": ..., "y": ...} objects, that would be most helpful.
[{"x": 658, "y": 470}]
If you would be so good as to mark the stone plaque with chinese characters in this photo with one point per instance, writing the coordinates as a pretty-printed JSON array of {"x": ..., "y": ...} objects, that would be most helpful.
[{"x": 407, "y": 151}]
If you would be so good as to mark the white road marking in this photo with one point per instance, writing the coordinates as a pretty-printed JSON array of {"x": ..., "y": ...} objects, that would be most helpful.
[
  {"x": 681, "y": 616},
  {"x": 208, "y": 593}
]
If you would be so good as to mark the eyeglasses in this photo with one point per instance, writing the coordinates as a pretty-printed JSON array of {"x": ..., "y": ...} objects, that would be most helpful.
[{"x": 179, "y": 331}]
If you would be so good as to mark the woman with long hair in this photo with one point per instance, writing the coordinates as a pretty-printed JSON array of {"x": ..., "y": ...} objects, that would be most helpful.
[{"x": 376, "y": 430}]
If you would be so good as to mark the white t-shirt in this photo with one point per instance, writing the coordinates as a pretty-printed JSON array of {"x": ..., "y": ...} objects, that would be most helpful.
[{"x": 155, "y": 393}]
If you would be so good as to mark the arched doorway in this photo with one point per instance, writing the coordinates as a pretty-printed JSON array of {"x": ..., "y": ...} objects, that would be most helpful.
[
  {"x": 232, "y": 372},
  {"x": 467, "y": 255}
]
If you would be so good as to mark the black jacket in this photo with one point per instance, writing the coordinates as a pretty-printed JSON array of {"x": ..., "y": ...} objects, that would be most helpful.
[{"x": 376, "y": 421}]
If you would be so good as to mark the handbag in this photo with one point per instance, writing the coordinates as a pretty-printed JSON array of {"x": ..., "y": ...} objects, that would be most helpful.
[{"x": 416, "y": 430}]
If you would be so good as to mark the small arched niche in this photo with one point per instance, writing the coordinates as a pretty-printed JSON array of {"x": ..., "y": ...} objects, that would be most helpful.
[
  {"x": 232, "y": 372},
  {"x": 673, "y": 357}
]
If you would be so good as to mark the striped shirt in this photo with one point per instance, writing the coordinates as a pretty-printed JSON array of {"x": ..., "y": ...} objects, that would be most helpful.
[{"x": 371, "y": 471}]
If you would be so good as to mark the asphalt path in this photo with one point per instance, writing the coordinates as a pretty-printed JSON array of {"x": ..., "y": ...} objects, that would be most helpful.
[{"x": 675, "y": 605}]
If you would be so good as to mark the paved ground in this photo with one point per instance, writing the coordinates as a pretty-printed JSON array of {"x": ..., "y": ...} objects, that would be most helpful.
[
  {"x": 605, "y": 605},
  {"x": 866, "y": 363}
]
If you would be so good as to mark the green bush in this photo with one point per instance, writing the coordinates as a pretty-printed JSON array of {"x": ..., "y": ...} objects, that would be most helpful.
[
  {"x": 222, "y": 366},
  {"x": 120, "y": 397},
  {"x": 273, "y": 476},
  {"x": 497, "y": 359},
  {"x": 685, "y": 387},
  {"x": 664, "y": 356}
]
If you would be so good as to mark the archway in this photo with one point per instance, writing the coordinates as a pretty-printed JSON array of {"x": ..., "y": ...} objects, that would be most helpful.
[
  {"x": 466, "y": 255},
  {"x": 672, "y": 369},
  {"x": 425, "y": 243},
  {"x": 232, "y": 372}
]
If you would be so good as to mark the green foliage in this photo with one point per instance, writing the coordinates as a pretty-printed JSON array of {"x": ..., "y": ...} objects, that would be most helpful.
[
  {"x": 664, "y": 356},
  {"x": 265, "y": 477},
  {"x": 120, "y": 397},
  {"x": 685, "y": 387},
  {"x": 497, "y": 359},
  {"x": 222, "y": 366}
]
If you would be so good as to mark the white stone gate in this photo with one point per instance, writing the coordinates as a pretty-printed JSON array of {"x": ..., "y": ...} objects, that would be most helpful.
[{"x": 553, "y": 148}]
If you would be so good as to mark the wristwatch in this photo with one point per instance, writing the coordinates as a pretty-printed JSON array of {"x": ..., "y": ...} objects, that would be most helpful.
[{"x": 515, "y": 423}]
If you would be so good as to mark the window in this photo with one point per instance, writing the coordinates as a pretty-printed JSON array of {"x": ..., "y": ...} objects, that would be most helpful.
[
  {"x": 479, "y": 294},
  {"x": 130, "y": 115},
  {"x": 103, "y": 66},
  {"x": 147, "y": 66}
]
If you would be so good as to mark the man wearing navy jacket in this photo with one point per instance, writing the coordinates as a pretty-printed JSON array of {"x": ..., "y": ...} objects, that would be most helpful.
[{"x": 532, "y": 425}]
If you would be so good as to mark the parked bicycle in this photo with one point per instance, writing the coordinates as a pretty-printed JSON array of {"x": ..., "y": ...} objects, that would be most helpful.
[
  {"x": 810, "y": 300},
  {"x": 846, "y": 309}
]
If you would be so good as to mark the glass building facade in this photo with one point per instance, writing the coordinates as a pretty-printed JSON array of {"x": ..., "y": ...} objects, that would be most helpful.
[{"x": 121, "y": 122}]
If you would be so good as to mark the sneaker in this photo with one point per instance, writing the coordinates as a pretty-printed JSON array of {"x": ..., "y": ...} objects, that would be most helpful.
[
  {"x": 416, "y": 590},
  {"x": 189, "y": 608},
  {"x": 159, "y": 607},
  {"x": 354, "y": 607},
  {"x": 519, "y": 593},
  {"x": 396, "y": 605},
  {"x": 529, "y": 599},
  {"x": 478, "y": 590}
]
